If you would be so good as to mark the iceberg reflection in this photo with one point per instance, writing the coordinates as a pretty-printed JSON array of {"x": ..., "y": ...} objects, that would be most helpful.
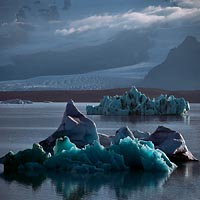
[{"x": 76, "y": 186}]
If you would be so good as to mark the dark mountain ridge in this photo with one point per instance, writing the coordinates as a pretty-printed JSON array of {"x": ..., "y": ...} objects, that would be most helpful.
[{"x": 179, "y": 71}]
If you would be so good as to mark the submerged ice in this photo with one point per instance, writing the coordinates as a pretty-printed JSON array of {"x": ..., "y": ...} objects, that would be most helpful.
[
  {"x": 76, "y": 146},
  {"x": 136, "y": 103}
]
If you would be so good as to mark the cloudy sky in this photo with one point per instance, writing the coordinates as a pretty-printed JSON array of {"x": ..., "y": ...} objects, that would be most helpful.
[{"x": 93, "y": 22}]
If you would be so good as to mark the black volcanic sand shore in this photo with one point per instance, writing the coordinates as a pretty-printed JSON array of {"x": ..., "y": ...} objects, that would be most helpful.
[{"x": 92, "y": 95}]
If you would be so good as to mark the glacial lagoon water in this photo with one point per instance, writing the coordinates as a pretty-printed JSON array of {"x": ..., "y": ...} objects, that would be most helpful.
[{"x": 22, "y": 125}]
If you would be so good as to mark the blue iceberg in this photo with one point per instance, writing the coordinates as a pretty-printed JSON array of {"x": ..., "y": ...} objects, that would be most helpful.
[
  {"x": 76, "y": 146},
  {"x": 128, "y": 154},
  {"x": 136, "y": 103}
]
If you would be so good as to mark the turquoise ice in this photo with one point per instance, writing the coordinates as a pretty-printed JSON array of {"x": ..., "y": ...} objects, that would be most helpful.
[
  {"x": 136, "y": 103},
  {"x": 127, "y": 155}
]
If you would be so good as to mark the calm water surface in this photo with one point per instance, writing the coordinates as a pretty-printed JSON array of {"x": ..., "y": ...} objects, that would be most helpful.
[{"x": 22, "y": 125}]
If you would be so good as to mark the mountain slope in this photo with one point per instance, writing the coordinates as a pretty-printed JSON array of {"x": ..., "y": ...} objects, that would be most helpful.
[
  {"x": 128, "y": 48},
  {"x": 180, "y": 70}
]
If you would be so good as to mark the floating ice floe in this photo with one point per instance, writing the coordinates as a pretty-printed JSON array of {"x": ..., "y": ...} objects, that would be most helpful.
[
  {"x": 136, "y": 103},
  {"x": 77, "y": 146},
  {"x": 16, "y": 101}
]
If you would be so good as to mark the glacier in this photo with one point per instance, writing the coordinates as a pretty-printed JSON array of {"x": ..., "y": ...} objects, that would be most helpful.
[
  {"x": 97, "y": 80},
  {"x": 136, "y": 103},
  {"x": 76, "y": 146}
]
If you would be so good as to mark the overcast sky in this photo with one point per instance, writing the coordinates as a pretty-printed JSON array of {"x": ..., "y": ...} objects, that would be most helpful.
[{"x": 92, "y": 22}]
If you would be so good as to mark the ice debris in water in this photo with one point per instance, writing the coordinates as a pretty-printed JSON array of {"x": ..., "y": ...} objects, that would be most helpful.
[
  {"x": 16, "y": 101},
  {"x": 128, "y": 154},
  {"x": 134, "y": 102},
  {"x": 77, "y": 146}
]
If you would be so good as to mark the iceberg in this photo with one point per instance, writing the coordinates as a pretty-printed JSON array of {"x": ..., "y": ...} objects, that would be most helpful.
[
  {"x": 82, "y": 131},
  {"x": 76, "y": 146},
  {"x": 136, "y": 103},
  {"x": 75, "y": 125},
  {"x": 172, "y": 143},
  {"x": 28, "y": 158},
  {"x": 165, "y": 139},
  {"x": 128, "y": 154}
]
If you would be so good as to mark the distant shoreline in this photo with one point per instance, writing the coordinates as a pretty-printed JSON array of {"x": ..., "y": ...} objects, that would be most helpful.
[{"x": 192, "y": 96}]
